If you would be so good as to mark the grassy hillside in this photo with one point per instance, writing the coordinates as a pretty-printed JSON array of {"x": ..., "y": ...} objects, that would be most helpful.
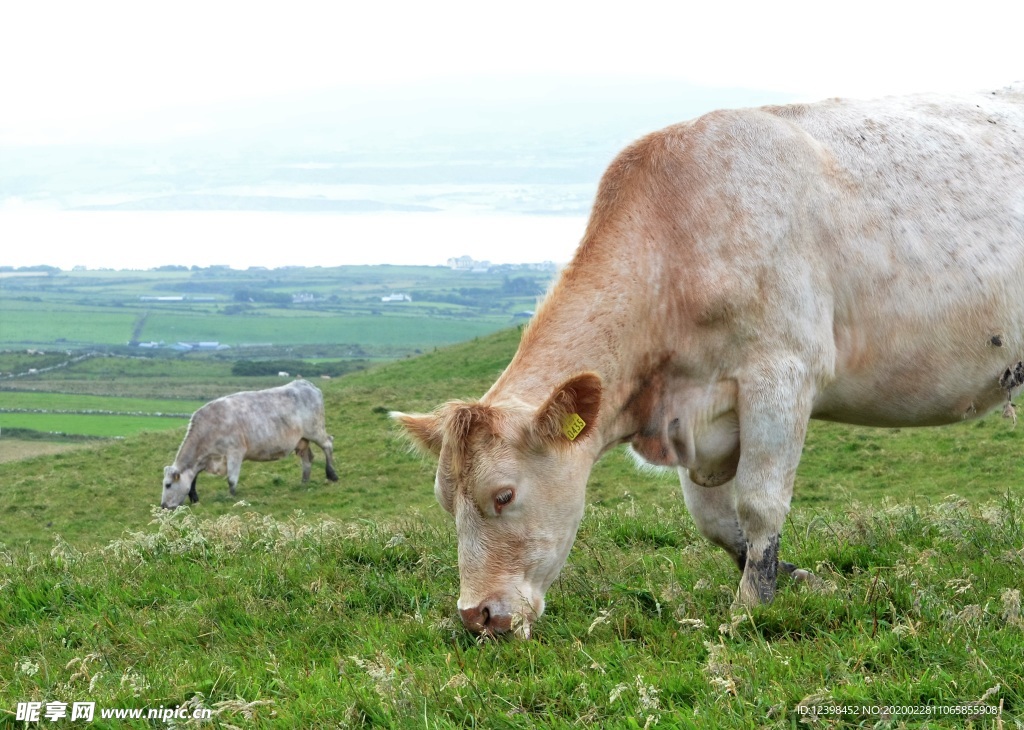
[
  {"x": 332, "y": 605},
  {"x": 91, "y": 496}
]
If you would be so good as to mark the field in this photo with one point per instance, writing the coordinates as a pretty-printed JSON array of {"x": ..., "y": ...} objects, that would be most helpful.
[
  {"x": 264, "y": 308},
  {"x": 333, "y": 605},
  {"x": 174, "y": 334}
]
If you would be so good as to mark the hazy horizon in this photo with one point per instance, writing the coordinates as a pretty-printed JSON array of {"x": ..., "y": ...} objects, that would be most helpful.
[
  {"x": 425, "y": 173},
  {"x": 371, "y": 134},
  {"x": 134, "y": 240}
]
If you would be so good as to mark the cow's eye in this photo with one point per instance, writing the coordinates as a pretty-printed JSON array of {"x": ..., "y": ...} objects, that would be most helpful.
[{"x": 503, "y": 498}]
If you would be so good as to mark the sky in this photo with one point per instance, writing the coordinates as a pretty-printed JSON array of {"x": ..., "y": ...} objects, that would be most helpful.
[
  {"x": 68, "y": 66},
  {"x": 79, "y": 71}
]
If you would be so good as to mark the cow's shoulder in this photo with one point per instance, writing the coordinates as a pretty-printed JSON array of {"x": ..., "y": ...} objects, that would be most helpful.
[{"x": 303, "y": 392}]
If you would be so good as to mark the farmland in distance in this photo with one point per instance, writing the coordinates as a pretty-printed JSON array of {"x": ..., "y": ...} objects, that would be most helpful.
[
  {"x": 341, "y": 309},
  {"x": 105, "y": 354}
]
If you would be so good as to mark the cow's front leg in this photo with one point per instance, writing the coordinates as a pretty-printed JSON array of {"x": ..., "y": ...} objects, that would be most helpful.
[
  {"x": 234, "y": 470},
  {"x": 714, "y": 513},
  {"x": 774, "y": 408}
]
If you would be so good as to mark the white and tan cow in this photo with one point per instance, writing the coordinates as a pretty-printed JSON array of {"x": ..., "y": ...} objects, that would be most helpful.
[
  {"x": 255, "y": 425},
  {"x": 742, "y": 273}
]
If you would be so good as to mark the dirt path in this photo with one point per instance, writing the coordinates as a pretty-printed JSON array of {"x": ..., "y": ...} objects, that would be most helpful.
[{"x": 14, "y": 450}]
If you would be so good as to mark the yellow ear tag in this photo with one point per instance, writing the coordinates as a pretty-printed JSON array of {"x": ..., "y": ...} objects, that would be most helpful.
[{"x": 572, "y": 425}]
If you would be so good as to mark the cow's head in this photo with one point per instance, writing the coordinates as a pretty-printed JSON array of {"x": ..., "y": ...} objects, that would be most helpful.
[
  {"x": 514, "y": 478},
  {"x": 178, "y": 484}
]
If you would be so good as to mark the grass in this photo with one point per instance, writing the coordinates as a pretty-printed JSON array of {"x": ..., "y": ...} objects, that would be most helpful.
[
  {"x": 296, "y": 329},
  {"x": 332, "y": 605},
  {"x": 78, "y": 327},
  {"x": 191, "y": 377},
  {"x": 91, "y": 415},
  {"x": 71, "y": 402},
  {"x": 316, "y": 622},
  {"x": 106, "y": 426}
]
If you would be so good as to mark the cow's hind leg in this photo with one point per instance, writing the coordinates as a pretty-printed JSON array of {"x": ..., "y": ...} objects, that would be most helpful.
[
  {"x": 798, "y": 574},
  {"x": 306, "y": 455},
  {"x": 328, "y": 446}
]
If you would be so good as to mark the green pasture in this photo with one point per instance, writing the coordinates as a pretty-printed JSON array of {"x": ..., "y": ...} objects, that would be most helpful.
[
  {"x": 92, "y": 415},
  {"x": 333, "y": 604},
  {"x": 70, "y": 326},
  {"x": 115, "y": 426},
  {"x": 166, "y": 382},
  {"x": 82, "y": 309},
  {"x": 287, "y": 327},
  {"x": 100, "y": 366},
  {"x": 70, "y": 402}
]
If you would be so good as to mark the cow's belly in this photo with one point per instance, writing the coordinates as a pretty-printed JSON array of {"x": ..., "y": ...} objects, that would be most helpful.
[
  {"x": 270, "y": 452},
  {"x": 864, "y": 404},
  {"x": 917, "y": 386}
]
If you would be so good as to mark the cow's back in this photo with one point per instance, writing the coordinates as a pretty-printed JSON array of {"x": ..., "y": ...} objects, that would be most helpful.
[
  {"x": 922, "y": 248},
  {"x": 933, "y": 185},
  {"x": 881, "y": 243},
  {"x": 889, "y": 196},
  {"x": 263, "y": 424}
]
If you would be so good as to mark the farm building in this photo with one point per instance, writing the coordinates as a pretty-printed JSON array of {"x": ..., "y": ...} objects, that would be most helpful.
[{"x": 192, "y": 346}]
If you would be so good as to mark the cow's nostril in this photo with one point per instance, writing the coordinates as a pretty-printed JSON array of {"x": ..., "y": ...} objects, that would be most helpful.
[{"x": 486, "y": 618}]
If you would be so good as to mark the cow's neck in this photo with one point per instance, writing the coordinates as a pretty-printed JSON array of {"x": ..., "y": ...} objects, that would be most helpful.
[
  {"x": 587, "y": 324},
  {"x": 188, "y": 452}
]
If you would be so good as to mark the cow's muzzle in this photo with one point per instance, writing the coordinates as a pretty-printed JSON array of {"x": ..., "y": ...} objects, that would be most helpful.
[
  {"x": 494, "y": 616},
  {"x": 486, "y": 619}
]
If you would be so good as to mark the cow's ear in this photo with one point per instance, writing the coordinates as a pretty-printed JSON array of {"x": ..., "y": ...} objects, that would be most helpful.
[
  {"x": 425, "y": 430},
  {"x": 570, "y": 413}
]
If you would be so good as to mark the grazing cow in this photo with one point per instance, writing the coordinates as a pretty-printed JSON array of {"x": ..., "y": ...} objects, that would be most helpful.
[
  {"x": 256, "y": 425},
  {"x": 741, "y": 273}
]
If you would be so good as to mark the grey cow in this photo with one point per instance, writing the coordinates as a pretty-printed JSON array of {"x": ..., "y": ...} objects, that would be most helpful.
[{"x": 255, "y": 425}]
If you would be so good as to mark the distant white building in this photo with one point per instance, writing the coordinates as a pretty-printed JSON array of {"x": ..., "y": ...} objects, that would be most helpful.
[
  {"x": 468, "y": 263},
  {"x": 396, "y": 298},
  {"x": 190, "y": 346}
]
